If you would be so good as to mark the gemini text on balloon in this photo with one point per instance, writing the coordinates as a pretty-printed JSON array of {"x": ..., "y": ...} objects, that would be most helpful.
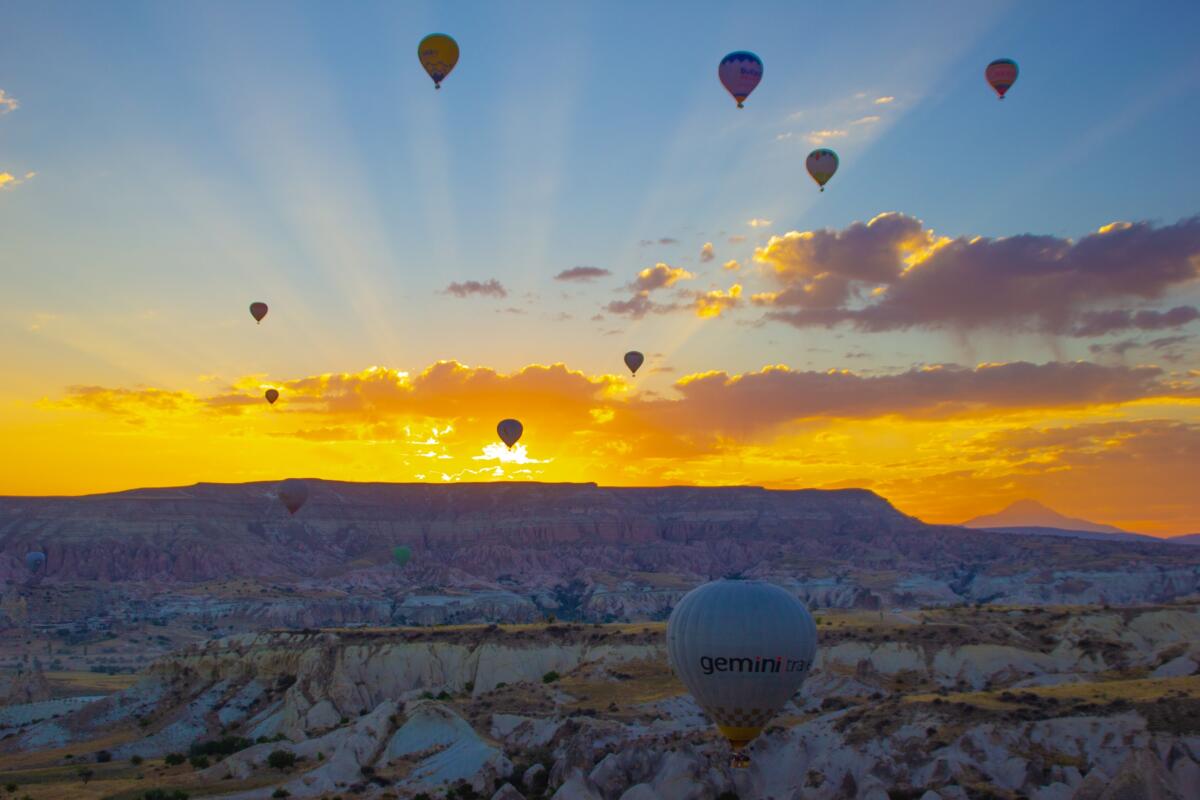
[{"x": 709, "y": 665}]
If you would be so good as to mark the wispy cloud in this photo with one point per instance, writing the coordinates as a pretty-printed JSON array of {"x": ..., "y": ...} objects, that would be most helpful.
[
  {"x": 582, "y": 274},
  {"x": 732, "y": 265},
  {"x": 883, "y": 101},
  {"x": 10, "y": 181},
  {"x": 823, "y": 136},
  {"x": 870, "y": 119},
  {"x": 706, "y": 252},
  {"x": 8, "y": 103},
  {"x": 758, "y": 222},
  {"x": 490, "y": 288}
]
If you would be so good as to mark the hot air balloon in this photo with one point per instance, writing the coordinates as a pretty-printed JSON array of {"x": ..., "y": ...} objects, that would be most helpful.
[
  {"x": 742, "y": 648},
  {"x": 258, "y": 311},
  {"x": 35, "y": 560},
  {"x": 510, "y": 431},
  {"x": 272, "y": 395},
  {"x": 821, "y": 164},
  {"x": 401, "y": 554},
  {"x": 634, "y": 360},
  {"x": 1001, "y": 74},
  {"x": 438, "y": 53},
  {"x": 293, "y": 493},
  {"x": 740, "y": 72}
]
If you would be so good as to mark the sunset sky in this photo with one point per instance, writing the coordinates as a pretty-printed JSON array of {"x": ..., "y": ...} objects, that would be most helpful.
[{"x": 991, "y": 300}]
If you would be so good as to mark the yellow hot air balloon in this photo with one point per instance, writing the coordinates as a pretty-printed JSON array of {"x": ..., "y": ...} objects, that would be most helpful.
[{"x": 438, "y": 53}]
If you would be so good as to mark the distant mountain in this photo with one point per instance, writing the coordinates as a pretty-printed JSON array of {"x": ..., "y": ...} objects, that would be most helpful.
[
  {"x": 1032, "y": 514},
  {"x": 1187, "y": 538},
  {"x": 1038, "y": 530}
]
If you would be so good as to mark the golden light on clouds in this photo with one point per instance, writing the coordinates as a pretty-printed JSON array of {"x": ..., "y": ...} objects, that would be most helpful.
[{"x": 942, "y": 442}]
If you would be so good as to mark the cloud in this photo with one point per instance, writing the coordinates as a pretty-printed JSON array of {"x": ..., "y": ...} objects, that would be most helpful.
[
  {"x": 758, "y": 222},
  {"x": 823, "y": 136},
  {"x": 664, "y": 240},
  {"x": 1098, "y": 323},
  {"x": 638, "y": 306},
  {"x": 660, "y": 276},
  {"x": 883, "y": 101},
  {"x": 712, "y": 304},
  {"x": 706, "y": 252},
  {"x": 731, "y": 265},
  {"x": 868, "y": 120},
  {"x": 7, "y": 103},
  {"x": 490, "y": 288},
  {"x": 750, "y": 403},
  {"x": 893, "y": 273},
  {"x": 10, "y": 181},
  {"x": 582, "y": 274},
  {"x": 737, "y": 238}
]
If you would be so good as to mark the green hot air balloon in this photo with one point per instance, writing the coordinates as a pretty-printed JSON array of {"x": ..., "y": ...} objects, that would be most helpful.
[{"x": 401, "y": 554}]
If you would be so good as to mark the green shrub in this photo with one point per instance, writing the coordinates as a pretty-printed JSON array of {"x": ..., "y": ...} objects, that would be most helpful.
[
  {"x": 550, "y": 677},
  {"x": 225, "y": 746},
  {"x": 281, "y": 759},
  {"x": 199, "y": 762},
  {"x": 281, "y": 792},
  {"x": 135, "y": 759},
  {"x": 174, "y": 759},
  {"x": 103, "y": 756}
]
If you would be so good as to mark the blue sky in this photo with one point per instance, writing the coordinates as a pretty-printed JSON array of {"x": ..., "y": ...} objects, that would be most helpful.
[{"x": 190, "y": 157}]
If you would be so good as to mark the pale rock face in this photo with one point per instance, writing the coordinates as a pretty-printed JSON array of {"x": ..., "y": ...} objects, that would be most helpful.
[
  {"x": 576, "y": 787},
  {"x": 641, "y": 791},
  {"x": 508, "y": 792},
  {"x": 457, "y": 752}
]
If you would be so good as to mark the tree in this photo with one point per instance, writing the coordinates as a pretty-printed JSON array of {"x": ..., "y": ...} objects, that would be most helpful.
[
  {"x": 85, "y": 774},
  {"x": 281, "y": 759},
  {"x": 550, "y": 677},
  {"x": 174, "y": 759},
  {"x": 103, "y": 757}
]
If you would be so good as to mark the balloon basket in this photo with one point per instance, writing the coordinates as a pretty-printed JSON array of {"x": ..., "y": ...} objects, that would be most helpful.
[{"x": 739, "y": 760}]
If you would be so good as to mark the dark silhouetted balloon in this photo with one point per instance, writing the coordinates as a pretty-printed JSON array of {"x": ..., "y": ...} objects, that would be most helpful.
[
  {"x": 438, "y": 53},
  {"x": 272, "y": 395},
  {"x": 510, "y": 431},
  {"x": 740, "y": 72},
  {"x": 35, "y": 560},
  {"x": 742, "y": 648},
  {"x": 258, "y": 311},
  {"x": 293, "y": 493},
  {"x": 1001, "y": 74},
  {"x": 634, "y": 360}
]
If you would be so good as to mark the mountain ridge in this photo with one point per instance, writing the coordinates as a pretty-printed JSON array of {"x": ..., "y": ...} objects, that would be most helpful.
[{"x": 1028, "y": 513}]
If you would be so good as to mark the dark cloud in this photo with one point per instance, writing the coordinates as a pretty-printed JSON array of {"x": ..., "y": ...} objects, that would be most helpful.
[
  {"x": 1098, "y": 323},
  {"x": 892, "y": 273},
  {"x": 490, "y": 288},
  {"x": 582, "y": 274}
]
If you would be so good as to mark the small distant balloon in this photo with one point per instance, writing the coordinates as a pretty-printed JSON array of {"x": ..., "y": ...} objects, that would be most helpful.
[
  {"x": 1001, "y": 74},
  {"x": 258, "y": 311},
  {"x": 401, "y": 554},
  {"x": 510, "y": 431},
  {"x": 634, "y": 360},
  {"x": 293, "y": 493},
  {"x": 740, "y": 72},
  {"x": 35, "y": 560},
  {"x": 438, "y": 53},
  {"x": 821, "y": 164},
  {"x": 272, "y": 395}
]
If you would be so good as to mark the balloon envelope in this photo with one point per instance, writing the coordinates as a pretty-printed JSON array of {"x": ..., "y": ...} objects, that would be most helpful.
[
  {"x": 634, "y": 360},
  {"x": 438, "y": 53},
  {"x": 258, "y": 311},
  {"x": 401, "y": 554},
  {"x": 35, "y": 560},
  {"x": 1001, "y": 74},
  {"x": 293, "y": 493},
  {"x": 742, "y": 648},
  {"x": 821, "y": 164},
  {"x": 272, "y": 395},
  {"x": 510, "y": 431},
  {"x": 740, "y": 72}
]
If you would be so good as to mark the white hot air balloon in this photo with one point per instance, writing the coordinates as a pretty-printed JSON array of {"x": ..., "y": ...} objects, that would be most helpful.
[{"x": 742, "y": 648}]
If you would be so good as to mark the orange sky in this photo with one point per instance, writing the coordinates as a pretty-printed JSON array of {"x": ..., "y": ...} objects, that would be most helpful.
[{"x": 1113, "y": 444}]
